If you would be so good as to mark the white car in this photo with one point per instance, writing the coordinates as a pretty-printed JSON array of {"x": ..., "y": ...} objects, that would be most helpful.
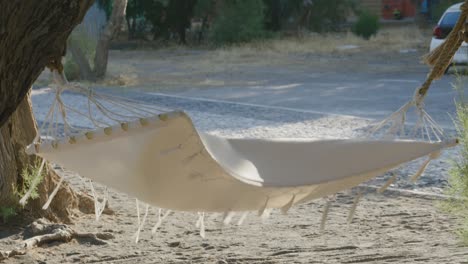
[{"x": 444, "y": 27}]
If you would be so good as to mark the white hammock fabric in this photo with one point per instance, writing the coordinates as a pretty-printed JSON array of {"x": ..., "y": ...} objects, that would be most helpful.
[{"x": 164, "y": 161}]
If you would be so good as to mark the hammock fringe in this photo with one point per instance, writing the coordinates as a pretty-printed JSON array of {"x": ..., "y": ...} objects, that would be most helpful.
[
  {"x": 52, "y": 195},
  {"x": 323, "y": 221},
  {"x": 352, "y": 212}
]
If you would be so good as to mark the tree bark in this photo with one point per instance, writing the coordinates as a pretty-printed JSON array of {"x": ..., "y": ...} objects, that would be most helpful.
[
  {"x": 112, "y": 27},
  {"x": 32, "y": 36},
  {"x": 20, "y": 130},
  {"x": 15, "y": 135}
]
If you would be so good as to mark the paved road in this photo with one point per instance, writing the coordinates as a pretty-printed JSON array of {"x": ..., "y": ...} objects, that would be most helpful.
[{"x": 358, "y": 94}]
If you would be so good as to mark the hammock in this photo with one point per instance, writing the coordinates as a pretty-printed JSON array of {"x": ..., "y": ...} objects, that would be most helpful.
[
  {"x": 160, "y": 158},
  {"x": 164, "y": 161}
]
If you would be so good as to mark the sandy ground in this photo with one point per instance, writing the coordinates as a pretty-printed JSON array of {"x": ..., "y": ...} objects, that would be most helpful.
[
  {"x": 389, "y": 228},
  {"x": 392, "y": 228}
]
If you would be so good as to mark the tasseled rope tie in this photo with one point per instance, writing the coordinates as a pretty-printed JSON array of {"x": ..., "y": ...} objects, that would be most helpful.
[
  {"x": 387, "y": 184},
  {"x": 242, "y": 218},
  {"x": 161, "y": 218},
  {"x": 99, "y": 207},
  {"x": 52, "y": 195},
  {"x": 141, "y": 223},
  {"x": 201, "y": 224},
  {"x": 323, "y": 221},
  {"x": 227, "y": 218},
  {"x": 417, "y": 175},
  {"x": 353, "y": 208},
  {"x": 326, "y": 210}
]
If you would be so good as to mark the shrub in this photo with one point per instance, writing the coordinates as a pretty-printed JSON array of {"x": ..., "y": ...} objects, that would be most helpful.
[
  {"x": 28, "y": 174},
  {"x": 239, "y": 21},
  {"x": 458, "y": 180},
  {"x": 367, "y": 25}
]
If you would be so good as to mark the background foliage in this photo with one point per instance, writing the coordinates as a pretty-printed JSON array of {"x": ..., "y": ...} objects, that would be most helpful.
[
  {"x": 238, "y": 21},
  {"x": 229, "y": 21},
  {"x": 366, "y": 26},
  {"x": 458, "y": 181}
]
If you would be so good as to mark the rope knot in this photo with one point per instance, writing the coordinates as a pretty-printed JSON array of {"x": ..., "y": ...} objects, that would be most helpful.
[{"x": 418, "y": 97}]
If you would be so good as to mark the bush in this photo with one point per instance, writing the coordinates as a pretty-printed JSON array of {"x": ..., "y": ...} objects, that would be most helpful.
[
  {"x": 458, "y": 181},
  {"x": 367, "y": 25},
  {"x": 239, "y": 21}
]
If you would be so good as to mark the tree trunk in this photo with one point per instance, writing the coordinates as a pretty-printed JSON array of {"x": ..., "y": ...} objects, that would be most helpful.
[
  {"x": 86, "y": 73},
  {"x": 112, "y": 27},
  {"x": 303, "y": 21},
  {"x": 129, "y": 29},
  {"x": 32, "y": 36},
  {"x": 15, "y": 135}
]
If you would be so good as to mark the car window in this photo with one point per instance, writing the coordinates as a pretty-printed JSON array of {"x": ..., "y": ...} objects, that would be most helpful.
[{"x": 449, "y": 19}]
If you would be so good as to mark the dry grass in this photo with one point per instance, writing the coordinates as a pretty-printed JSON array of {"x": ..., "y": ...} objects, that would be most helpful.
[
  {"x": 387, "y": 40},
  {"x": 176, "y": 66}
]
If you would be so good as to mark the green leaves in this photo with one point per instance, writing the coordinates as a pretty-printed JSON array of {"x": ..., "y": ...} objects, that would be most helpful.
[
  {"x": 239, "y": 21},
  {"x": 458, "y": 180},
  {"x": 367, "y": 25}
]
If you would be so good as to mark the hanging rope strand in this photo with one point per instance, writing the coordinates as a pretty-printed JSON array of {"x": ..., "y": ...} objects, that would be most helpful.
[
  {"x": 132, "y": 108},
  {"x": 108, "y": 113},
  {"x": 103, "y": 110},
  {"x": 133, "y": 102}
]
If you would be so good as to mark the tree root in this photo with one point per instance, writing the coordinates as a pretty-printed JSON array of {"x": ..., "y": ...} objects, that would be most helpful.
[
  {"x": 42, "y": 232},
  {"x": 11, "y": 253}
]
